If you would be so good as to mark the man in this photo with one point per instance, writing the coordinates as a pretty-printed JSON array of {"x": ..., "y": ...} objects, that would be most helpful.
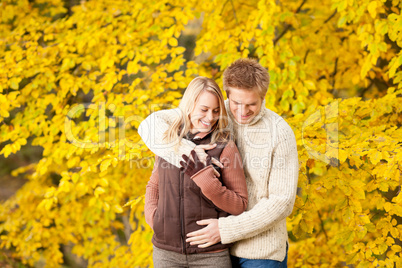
[{"x": 268, "y": 148}]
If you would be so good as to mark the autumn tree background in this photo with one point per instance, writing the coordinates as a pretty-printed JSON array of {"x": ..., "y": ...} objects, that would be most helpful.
[{"x": 77, "y": 78}]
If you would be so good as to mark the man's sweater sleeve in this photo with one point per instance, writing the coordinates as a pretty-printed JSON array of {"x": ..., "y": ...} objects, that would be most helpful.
[
  {"x": 282, "y": 189},
  {"x": 152, "y": 131}
]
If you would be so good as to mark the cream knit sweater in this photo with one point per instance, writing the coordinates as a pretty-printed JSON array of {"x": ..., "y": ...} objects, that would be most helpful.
[{"x": 268, "y": 147}]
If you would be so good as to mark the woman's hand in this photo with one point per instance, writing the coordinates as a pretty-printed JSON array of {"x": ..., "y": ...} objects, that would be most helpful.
[
  {"x": 202, "y": 155},
  {"x": 191, "y": 167}
]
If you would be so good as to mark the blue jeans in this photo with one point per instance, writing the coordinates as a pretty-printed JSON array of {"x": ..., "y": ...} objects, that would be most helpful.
[{"x": 260, "y": 263}]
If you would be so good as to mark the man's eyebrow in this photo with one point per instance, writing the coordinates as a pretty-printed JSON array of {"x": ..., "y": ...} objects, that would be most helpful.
[{"x": 254, "y": 103}]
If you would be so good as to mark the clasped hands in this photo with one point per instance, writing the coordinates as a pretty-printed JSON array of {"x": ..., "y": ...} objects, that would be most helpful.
[
  {"x": 208, "y": 235},
  {"x": 198, "y": 160}
]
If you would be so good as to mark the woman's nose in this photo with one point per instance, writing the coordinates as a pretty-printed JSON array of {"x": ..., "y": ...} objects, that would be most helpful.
[{"x": 210, "y": 116}]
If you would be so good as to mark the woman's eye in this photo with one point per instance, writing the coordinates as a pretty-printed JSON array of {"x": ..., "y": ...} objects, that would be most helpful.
[
  {"x": 217, "y": 112},
  {"x": 203, "y": 110}
]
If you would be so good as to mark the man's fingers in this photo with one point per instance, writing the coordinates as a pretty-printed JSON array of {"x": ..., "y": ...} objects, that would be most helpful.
[
  {"x": 216, "y": 162},
  {"x": 199, "y": 242},
  {"x": 195, "y": 233},
  {"x": 198, "y": 239},
  {"x": 204, "y": 222},
  {"x": 216, "y": 173},
  {"x": 208, "y": 160},
  {"x": 201, "y": 154},
  {"x": 206, "y": 245}
]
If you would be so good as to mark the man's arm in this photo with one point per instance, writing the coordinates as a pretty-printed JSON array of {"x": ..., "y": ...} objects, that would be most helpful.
[
  {"x": 282, "y": 193},
  {"x": 152, "y": 131}
]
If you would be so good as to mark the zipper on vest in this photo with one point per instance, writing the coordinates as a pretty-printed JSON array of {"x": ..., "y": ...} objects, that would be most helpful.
[{"x": 181, "y": 182}]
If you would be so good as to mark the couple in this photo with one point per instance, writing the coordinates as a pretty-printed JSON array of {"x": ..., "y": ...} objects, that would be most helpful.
[{"x": 200, "y": 185}]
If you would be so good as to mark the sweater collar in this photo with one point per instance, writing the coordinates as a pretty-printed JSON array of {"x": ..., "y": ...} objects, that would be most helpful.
[{"x": 253, "y": 121}]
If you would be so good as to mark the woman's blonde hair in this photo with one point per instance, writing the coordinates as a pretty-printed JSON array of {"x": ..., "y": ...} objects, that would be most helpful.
[{"x": 182, "y": 125}]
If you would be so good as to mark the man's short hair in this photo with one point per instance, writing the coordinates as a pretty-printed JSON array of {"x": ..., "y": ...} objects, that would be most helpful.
[{"x": 246, "y": 74}]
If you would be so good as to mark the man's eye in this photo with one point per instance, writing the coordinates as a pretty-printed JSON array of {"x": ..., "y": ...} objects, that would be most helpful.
[{"x": 204, "y": 110}]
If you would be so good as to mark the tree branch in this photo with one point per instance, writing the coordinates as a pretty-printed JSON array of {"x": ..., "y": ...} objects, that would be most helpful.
[
  {"x": 322, "y": 225},
  {"x": 287, "y": 27},
  {"x": 328, "y": 19},
  {"x": 234, "y": 12}
]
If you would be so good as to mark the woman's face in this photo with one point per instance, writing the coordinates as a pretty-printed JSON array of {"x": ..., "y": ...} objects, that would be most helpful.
[{"x": 205, "y": 114}]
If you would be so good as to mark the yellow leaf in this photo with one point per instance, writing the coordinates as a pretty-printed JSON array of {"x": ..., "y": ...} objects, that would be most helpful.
[
  {"x": 173, "y": 42},
  {"x": 12, "y": 95},
  {"x": 396, "y": 248},
  {"x": 14, "y": 83},
  {"x": 117, "y": 208},
  {"x": 347, "y": 214},
  {"x": 375, "y": 156},
  {"x": 132, "y": 67},
  {"x": 3, "y": 99},
  {"x": 48, "y": 204},
  {"x": 309, "y": 84},
  {"x": 372, "y": 9},
  {"x": 98, "y": 191},
  {"x": 180, "y": 50},
  {"x": 106, "y": 206},
  {"x": 105, "y": 164},
  {"x": 343, "y": 155},
  {"x": 103, "y": 182},
  {"x": 86, "y": 66}
]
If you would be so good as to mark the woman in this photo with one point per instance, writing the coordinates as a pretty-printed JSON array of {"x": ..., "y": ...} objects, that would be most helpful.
[{"x": 176, "y": 198}]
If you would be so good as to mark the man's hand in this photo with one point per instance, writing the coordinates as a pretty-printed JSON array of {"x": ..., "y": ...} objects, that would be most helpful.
[
  {"x": 207, "y": 236},
  {"x": 202, "y": 155}
]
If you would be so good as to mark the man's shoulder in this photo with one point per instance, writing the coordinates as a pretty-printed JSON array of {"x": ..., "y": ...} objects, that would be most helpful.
[{"x": 277, "y": 121}]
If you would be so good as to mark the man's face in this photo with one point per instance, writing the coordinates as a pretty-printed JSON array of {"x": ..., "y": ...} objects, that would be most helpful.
[{"x": 244, "y": 104}]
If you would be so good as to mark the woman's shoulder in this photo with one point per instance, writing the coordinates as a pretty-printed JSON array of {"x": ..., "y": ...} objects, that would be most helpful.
[{"x": 228, "y": 146}]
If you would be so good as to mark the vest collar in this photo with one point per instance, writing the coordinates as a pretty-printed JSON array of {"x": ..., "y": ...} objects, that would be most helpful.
[{"x": 200, "y": 135}]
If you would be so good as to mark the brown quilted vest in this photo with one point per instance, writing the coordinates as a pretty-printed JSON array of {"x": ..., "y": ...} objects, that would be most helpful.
[{"x": 181, "y": 203}]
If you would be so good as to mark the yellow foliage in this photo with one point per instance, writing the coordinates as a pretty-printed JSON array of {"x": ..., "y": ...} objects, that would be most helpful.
[{"x": 78, "y": 81}]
